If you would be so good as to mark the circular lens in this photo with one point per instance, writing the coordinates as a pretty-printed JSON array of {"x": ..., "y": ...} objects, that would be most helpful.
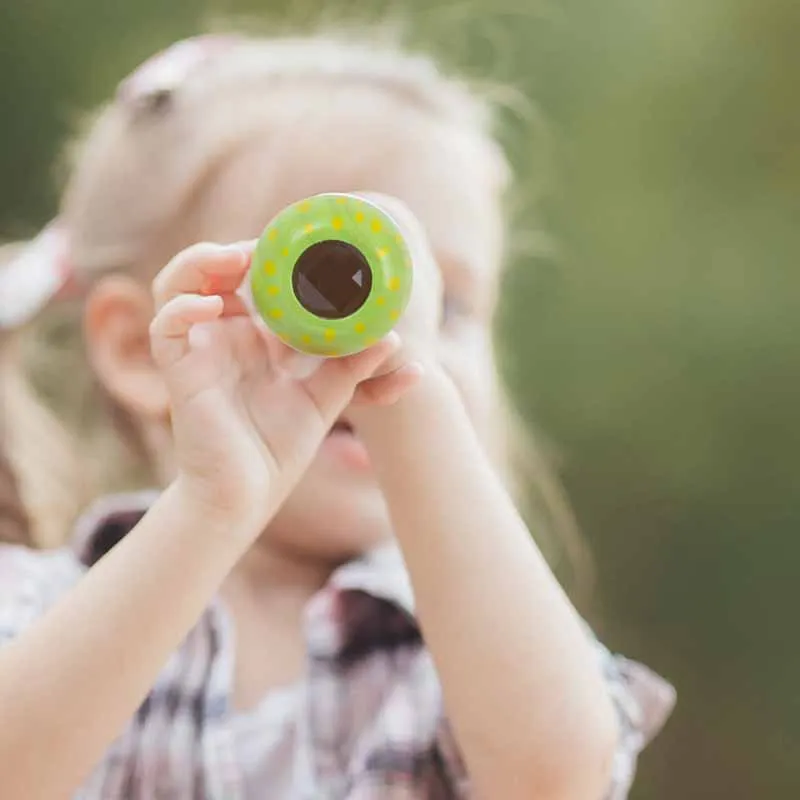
[
  {"x": 332, "y": 279},
  {"x": 331, "y": 275}
]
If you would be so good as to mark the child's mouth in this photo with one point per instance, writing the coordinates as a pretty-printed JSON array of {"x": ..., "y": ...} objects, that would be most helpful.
[
  {"x": 342, "y": 426},
  {"x": 343, "y": 444}
]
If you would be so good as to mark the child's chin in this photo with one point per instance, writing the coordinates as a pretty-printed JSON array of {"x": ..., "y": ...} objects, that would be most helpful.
[{"x": 335, "y": 509}]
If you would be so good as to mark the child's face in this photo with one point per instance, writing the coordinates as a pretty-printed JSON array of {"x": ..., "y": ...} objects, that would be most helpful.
[{"x": 369, "y": 143}]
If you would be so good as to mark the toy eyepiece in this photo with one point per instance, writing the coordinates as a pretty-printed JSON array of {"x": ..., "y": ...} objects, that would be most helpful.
[
  {"x": 332, "y": 279},
  {"x": 331, "y": 275}
]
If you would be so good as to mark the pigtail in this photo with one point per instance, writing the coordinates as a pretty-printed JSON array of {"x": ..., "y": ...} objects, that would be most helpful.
[
  {"x": 15, "y": 525},
  {"x": 42, "y": 458},
  {"x": 39, "y": 469}
]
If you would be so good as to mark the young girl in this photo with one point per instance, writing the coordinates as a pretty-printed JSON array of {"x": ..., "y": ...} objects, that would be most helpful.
[{"x": 251, "y": 631}]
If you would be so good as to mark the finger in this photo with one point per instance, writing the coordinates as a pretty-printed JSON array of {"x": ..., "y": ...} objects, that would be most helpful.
[
  {"x": 203, "y": 268},
  {"x": 169, "y": 331},
  {"x": 388, "y": 389},
  {"x": 233, "y": 305},
  {"x": 300, "y": 366},
  {"x": 332, "y": 386},
  {"x": 284, "y": 358}
]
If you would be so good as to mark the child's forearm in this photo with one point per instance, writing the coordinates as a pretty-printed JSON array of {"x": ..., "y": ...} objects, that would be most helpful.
[
  {"x": 521, "y": 682},
  {"x": 69, "y": 684}
]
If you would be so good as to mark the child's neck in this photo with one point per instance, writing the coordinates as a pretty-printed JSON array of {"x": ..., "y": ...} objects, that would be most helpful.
[{"x": 266, "y": 595}]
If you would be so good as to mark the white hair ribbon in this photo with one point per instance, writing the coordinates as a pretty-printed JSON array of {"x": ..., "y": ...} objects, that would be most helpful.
[{"x": 36, "y": 275}]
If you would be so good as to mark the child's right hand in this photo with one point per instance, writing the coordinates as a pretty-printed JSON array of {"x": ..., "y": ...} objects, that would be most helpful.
[{"x": 244, "y": 428}]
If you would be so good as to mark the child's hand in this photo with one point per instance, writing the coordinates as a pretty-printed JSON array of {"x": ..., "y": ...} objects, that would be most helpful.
[
  {"x": 418, "y": 328},
  {"x": 245, "y": 429}
]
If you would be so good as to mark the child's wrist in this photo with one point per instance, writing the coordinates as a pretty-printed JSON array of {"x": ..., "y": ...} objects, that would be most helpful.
[
  {"x": 233, "y": 518},
  {"x": 408, "y": 415}
]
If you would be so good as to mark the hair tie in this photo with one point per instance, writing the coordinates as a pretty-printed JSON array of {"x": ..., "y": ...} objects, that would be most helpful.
[{"x": 39, "y": 273}]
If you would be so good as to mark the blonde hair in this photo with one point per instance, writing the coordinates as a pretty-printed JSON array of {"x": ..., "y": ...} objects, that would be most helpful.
[
  {"x": 155, "y": 150},
  {"x": 153, "y": 153},
  {"x": 40, "y": 474}
]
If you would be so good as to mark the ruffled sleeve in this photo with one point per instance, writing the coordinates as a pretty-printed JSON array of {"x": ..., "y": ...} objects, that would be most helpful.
[
  {"x": 32, "y": 580},
  {"x": 642, "y": 699}
]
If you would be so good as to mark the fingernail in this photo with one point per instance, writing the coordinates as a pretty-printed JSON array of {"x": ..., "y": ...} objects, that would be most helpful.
[
  {"x": 244, "y": 248},
  {"x": 393, "y": 340},
  {"x": 245, "y": 245},
  {"x": 301, "y": 365}
]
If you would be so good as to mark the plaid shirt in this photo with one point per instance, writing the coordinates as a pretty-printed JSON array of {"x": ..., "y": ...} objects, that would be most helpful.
[{"x": 371, "y": 723}]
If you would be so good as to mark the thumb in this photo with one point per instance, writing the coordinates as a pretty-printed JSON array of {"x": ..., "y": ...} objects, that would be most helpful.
[{"x": 334, "y": 382}]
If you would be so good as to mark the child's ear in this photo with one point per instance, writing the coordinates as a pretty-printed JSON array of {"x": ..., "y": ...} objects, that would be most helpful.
[{"x": 117, "y": 320}]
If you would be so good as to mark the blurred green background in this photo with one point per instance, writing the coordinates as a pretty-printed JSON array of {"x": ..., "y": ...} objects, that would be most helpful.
[{"x": 657, "y": 346}]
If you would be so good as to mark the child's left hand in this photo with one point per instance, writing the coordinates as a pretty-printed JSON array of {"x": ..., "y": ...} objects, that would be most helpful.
[{"x": 418, "y": 328}]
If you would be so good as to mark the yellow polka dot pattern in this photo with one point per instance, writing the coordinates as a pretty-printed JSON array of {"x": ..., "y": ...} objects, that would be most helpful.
[{"x": 340, "y": 217}]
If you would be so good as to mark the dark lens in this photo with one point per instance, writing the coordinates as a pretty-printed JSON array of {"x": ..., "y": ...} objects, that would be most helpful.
[{"x": 332, "y": 279}]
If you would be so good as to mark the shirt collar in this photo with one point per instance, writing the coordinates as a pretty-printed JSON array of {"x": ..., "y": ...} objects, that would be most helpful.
[
  {"x": 106, "y": 522},
  {"x": 367, "y": 604}
]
